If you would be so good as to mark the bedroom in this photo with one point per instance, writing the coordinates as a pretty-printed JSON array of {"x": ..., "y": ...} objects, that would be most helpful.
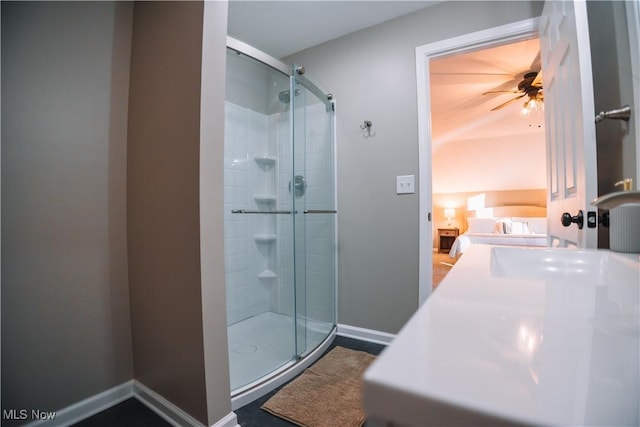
[{"x": 488, "y": 156}]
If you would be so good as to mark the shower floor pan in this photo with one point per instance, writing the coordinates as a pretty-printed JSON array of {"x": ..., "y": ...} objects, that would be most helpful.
[{"x": 264, "y": 343}]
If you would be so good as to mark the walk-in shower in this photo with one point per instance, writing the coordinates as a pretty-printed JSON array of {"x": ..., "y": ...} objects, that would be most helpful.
[{"x": 280, "y": 220}]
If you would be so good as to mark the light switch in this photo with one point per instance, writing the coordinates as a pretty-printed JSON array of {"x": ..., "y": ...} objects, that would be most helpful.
[{"x": 405, "y": 184}]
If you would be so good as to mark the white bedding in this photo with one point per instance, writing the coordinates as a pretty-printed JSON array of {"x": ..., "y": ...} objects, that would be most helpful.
[
  {"x": 504, "y": 231},
  {"x": 467, "y": 239}
]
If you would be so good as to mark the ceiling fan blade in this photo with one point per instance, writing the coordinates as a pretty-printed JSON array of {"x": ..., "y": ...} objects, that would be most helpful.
[
  {"x": 508, "y": 102},
  {"x": 472, "y": 102},
  {"x": 537, "y": 82},
  {"x": 452, "y": 78},
  {"x": 508, "y": 86},
  {"x": 500, "y": 91}
]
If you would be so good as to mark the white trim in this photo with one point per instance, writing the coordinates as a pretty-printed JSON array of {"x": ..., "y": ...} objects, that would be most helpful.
[
  {"x": 503, "y": 34},
  {"x": 230, "y": 420},
  {"x": 89, "y": 406},
  {"x": 131, "y": 389},
  {"x": 336, "y": 287},
  {"x": 285, "y": 374},
  {"x": 425, "y": 231},
  {"x": 363, "y": 334},
  {"x": 161, "y": 406}
]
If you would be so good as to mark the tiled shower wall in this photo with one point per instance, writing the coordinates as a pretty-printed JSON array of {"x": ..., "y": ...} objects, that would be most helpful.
[
  {"x": 246, "y": 136},
  {"x": 249, "y": 134}
]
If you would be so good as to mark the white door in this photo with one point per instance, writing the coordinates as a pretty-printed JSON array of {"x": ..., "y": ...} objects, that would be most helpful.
[{"x": 570, "y": 125}]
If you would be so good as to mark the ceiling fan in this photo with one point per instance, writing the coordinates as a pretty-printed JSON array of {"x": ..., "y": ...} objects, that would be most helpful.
[{"x": 531, "y": 85}]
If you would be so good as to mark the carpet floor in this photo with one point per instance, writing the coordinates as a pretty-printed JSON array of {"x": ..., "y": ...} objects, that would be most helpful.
[{"x": 442, "y": 264}]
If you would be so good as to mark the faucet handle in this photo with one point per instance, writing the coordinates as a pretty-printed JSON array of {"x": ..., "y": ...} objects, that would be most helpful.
[{"x": 626, "y": 183}]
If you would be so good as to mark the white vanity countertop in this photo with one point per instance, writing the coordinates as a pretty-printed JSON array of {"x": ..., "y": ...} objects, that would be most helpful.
[{"x": 513, "y": 335}]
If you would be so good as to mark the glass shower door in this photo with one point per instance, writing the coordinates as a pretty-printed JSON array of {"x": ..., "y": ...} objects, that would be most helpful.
[
  {"x": 313, "y": 193},
  {"x": 258, "y": 220}
]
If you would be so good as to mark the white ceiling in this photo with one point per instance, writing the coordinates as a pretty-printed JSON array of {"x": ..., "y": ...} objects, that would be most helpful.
[
  {"x": 281, "y": 28},
  {"x": 459, "y": 110}
]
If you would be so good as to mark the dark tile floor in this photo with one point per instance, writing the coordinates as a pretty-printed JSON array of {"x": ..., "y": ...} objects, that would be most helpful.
[{"x": 132, "y": 413}]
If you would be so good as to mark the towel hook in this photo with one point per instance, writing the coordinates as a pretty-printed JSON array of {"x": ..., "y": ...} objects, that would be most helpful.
[{"x": 367, "y": 126}]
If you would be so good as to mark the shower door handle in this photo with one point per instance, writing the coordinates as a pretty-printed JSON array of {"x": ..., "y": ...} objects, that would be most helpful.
[
  {"x": 249, "y": 211},
  {"x": 319, "y": 211}
]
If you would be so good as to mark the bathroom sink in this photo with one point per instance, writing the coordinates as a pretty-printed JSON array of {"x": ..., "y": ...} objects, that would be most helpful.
[
  {"x": 562, "y": 265},
  {"x": 527, "y": 336}
]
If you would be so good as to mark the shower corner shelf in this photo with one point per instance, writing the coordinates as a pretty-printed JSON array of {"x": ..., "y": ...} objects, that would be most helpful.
[
  {"x": 265, "y": 198},
  {"x": 267, "y": 274},
  {"x": 266, "y": 161},
  {"x": 265, "y": 238}
]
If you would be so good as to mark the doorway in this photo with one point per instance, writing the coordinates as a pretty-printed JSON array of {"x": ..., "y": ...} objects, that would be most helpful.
[
  {"x": 487, "y": 138},
  {"x": 506, "y": 34}
]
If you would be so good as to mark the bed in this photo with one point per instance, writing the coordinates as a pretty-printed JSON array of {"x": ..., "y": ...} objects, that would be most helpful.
[{"x": 502, "y": 231}]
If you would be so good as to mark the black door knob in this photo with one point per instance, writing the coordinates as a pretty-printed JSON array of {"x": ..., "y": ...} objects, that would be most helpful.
[{"x": 567, "y": 219}]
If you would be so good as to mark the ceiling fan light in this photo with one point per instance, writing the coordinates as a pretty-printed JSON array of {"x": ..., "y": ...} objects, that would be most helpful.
[{"x": 534, "y": 106}]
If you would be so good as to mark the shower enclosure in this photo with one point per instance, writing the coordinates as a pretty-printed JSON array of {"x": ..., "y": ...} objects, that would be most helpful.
[{"x": 280, "y": 220}]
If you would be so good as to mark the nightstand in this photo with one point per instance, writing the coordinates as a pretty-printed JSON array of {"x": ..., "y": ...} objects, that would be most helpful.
[{"x": 447, "y": 236}]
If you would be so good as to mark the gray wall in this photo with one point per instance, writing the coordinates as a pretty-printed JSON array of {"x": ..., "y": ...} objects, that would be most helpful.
[
  {"x": 372, "y": 75},
  {"x": 65, "y": 300},
  {"x": 613, "y": 88}
]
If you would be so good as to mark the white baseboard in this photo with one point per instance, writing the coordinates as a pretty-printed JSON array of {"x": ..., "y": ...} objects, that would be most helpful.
[
  {"x": 171, "y": 413},
  {"x": 231, "y": 420},
  {"x": 132, "y": 388},
  {"x": 161, "y": 406},
  {"x": 88, "y": 407},
  {"x": 364, "y": 334}
]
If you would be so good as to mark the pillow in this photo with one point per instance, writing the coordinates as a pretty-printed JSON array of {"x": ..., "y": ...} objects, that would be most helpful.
[
  {"x": 481, "y": 225},
  {"x": 503, "y": 226},
  {"x": 536, "y": 225},
  {"x": 519, "y": 227}
]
